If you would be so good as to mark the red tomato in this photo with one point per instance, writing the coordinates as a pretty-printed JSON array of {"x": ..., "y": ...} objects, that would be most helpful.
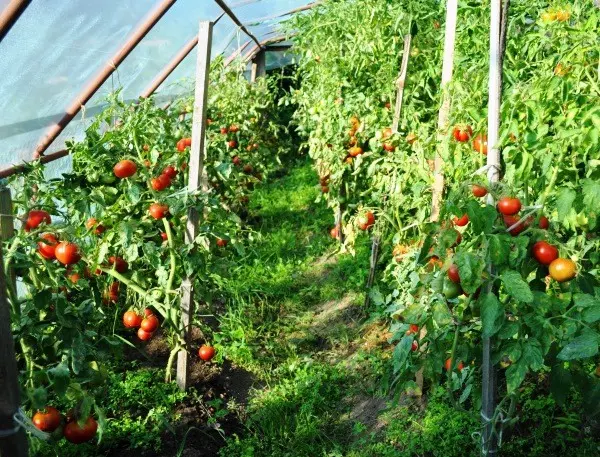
[
  {"x": 248, "y": 169},
  {"x": 413, "y": 329},
  {"x": 77, "y": 435},
  {"x": 480, "y": 144},
  {"x": 544, "y": 222},
  {"x": 221, "y": 242},
  {"x": 160, "y": 183},
  {"x": 414, "y": 347},
  {"x": 47, "y": 247},
  {"x": 453, "y": 274},
  {"x": 170, "y": 171},
  {"x": 462, "y": 134},
  {"x": 509, "y": 221},
  {"x": 125, "y": 169},
  {"x": 206, "y": 352},
  {"x": 67, "y": 253},
  {"x": 131, "y": 319},
  {"x": 35, "y": 218},
  {"x": 143, "y": 334},
  {"x": 232, "y": 144},
  {"x": 355, "y": 151},
  {"x": 335, "y": 233},
  {"x": 120, "y": 265},
  {"x": 366, "y": 220},
  {"x": 158, "y": 211},
  {"x": 236, "y": 160},
  {"x": 387, "y": 132},
  {"x": 93, "y": 222},
  {"x": 187, "y": 142},
  {"x": 181, "y": 145},
  {"x": 562, "y": 270},
  {"x": 509, "y": 206},
  {"x": 224, "y": 130},
  {"x": 234, "y": 128},
  {"x": 461, "y": 221},
  {"x": 164, "y": 236},
  {"x": 47, "y": 420},
  {"x": 479, "y": 191},
  {"x": 111, "y": 295},
  {"x": 150, "y": 324},
  {"x": 544, "y": 252},
  {"x": 74, "y": 278},
  {"x": 448, "y": 365},
  {"x": 325, "y": 189},
  {"x": 389, "y": 147}
]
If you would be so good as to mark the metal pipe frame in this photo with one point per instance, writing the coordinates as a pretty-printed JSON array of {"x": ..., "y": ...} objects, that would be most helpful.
[
  {"x": 109, "y": 67},
  {"x": 234, "y": 18},
  {"x": 44, "y": 159},
  {"x": 287, "y": 13},
  {"x": 11, "y": 14}
]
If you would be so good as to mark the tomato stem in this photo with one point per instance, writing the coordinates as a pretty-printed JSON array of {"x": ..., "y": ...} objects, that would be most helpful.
[
  {"x": 171, "y": 243},
  {"x": 452, "y": 363}
]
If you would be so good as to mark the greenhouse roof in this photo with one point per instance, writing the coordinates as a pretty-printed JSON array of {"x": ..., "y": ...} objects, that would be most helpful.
[{"x": 50, "y": 54}]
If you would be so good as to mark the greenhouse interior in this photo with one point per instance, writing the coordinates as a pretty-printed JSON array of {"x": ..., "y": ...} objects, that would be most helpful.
[{"x": 291, "y": 228}]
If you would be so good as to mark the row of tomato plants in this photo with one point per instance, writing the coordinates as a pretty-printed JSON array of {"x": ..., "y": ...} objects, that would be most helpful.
[
  {"x": 532, "y": 287},
  {"x": 100, "y": 254}
]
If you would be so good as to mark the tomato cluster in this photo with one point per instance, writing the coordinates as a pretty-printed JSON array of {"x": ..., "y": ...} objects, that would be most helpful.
[{"x": 51, "y": 421}]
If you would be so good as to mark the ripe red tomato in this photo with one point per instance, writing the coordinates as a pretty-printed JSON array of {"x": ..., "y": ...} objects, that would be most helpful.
[
  {"x": 160, "y": 183},
  {"x": 111, "y": 295},
  {"x": 248, "y": 169},
  {"x": 164, "y": 236},
  {"x": 93, "y": 222},
  {"x": 232, "y": 144},
  {"x": 77, "y": 435},
  {"x": 74, "y": 278},
  {"x": 47, "y": 420},
  {"x": 187, "y": 142},
  {"x": 148, "y": 312},
  {"x": 224, "y": 130},
  {"x": 131, "y": 319},
  {"x": 388, "y": 147},
  {"x": 462, "y": 134},
  {"x": 544, "y": 223},
  {"x": 206, "y": 352},
  {"x": 234, "y": 128},
  {"x": 413, "y": 329},
  {"x": 143, "y": 334},
  {"x": 335, "y": 232},
  {"x": 414, "y": 347},
  {"x": 181, "y": 145},
  {"x": 221, "y": 242},
  {"x": 480, "y": 144},
  {"x": 47, "y": 247},
  {"x": 562, "y": 270},
  {"x": 236, "y": 160},
  {"x": 170, "y": 171},
  {"x": 35, "y": 218},
  {"x": 150, "y": 324},
  {"x": 355, "y": 151},
  {"x": 461, "y": 221},
  {"x": 366, "y": 220},
  {"x": 119, "y": 263},
  {"x": 67, "y": 253},
  {"x": 325, "y": 189},
  {"x": 453, "y": 274},
  {"x": 448, "y": 365},
  {"x": 544, "y": 252},
  {"x": 125, "y": 169},
  {"x": 158, "y": 211},
  {"x": 509, "y": 206},
  {"x": 479, "y": 191},
  {"x": 509, "y": 221}
]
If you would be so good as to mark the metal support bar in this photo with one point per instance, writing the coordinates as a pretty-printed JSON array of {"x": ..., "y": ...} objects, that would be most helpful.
[
  {"x": 237, "y": 22},
  {"x": 44, "y": 159},
  {"x": 287, "y": 13},
  {"x": 196, "y": 180},
  {"x": 11, "y": 14},
  {"x": 109, "y": 67}
]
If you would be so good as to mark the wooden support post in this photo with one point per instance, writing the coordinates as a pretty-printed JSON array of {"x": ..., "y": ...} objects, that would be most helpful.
[
  {"x": 444, "y": 113},
  {"x": 259, "y": 68},
  {"x": 400, "y": 83},
  {"x": 11, "y": 444},
  {"x": 489, "y": 442},
  {"x": 196, "y": 180},
  {"x": 7, "y": 227}
]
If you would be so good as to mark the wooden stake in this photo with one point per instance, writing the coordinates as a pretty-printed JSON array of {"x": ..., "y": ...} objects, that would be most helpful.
[
  {"x": 444, "y": 113},
  {"x": 196, "y": 180},
  {"x": 7, "y": 227},
  {"x": 258, "y": 66},
  {"x": 401, "y": 82}
]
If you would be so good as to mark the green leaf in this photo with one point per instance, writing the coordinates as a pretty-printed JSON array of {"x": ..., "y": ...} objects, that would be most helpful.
[
  {"x": 492, "y": 314},
  {"x": 471, "y": 269},
  {"x": 516, "y": 287},
  {"x": 481, "y": 218},
  {"x": 499, "y": 249},
  {"x": 401, "y": 352},
  {"x": 59, "y": 377},
  {"x": 591, "y": 193},
  {"x": 515, "y": 374},
  {"x": 585, "y": 345},
  {"x": 560, "y": 383},
  {"x": 564, "y": 202}
]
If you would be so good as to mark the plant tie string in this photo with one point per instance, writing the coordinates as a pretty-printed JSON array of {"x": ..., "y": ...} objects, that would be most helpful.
[{"x": 23, "y": 421}]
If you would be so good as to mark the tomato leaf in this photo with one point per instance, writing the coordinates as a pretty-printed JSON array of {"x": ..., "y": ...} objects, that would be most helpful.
[
  {"x": 591, "y": 193},
  {"x": 471, "y": 269},
  {"x": 516, "y": 287},
  {"x": 585, "y": 345},
  {"x": 564, "y": 202},
  {"x": 401, "y": 352},
  {"x": 492, "y": 314},
  {"x": 59, "y": 377},
  {"x": 560, "y": 383},
  {"x": 498, "y": 249}
]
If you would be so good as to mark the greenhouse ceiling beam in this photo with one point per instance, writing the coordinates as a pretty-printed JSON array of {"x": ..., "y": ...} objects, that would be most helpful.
[
  {"x": 287, "y": 13},
  {"x": 109, "y": 67},
  {"x": 237, "y": 22},
  {"x": 45, "y": 159},
  {"x": 11, "y": 14}
]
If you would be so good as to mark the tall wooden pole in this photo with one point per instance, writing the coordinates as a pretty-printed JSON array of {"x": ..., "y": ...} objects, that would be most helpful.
[
  {"x": 444, "y": 113},
  {"x": 488, "y": 436},
  {"x": 196, "y": 180}
]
